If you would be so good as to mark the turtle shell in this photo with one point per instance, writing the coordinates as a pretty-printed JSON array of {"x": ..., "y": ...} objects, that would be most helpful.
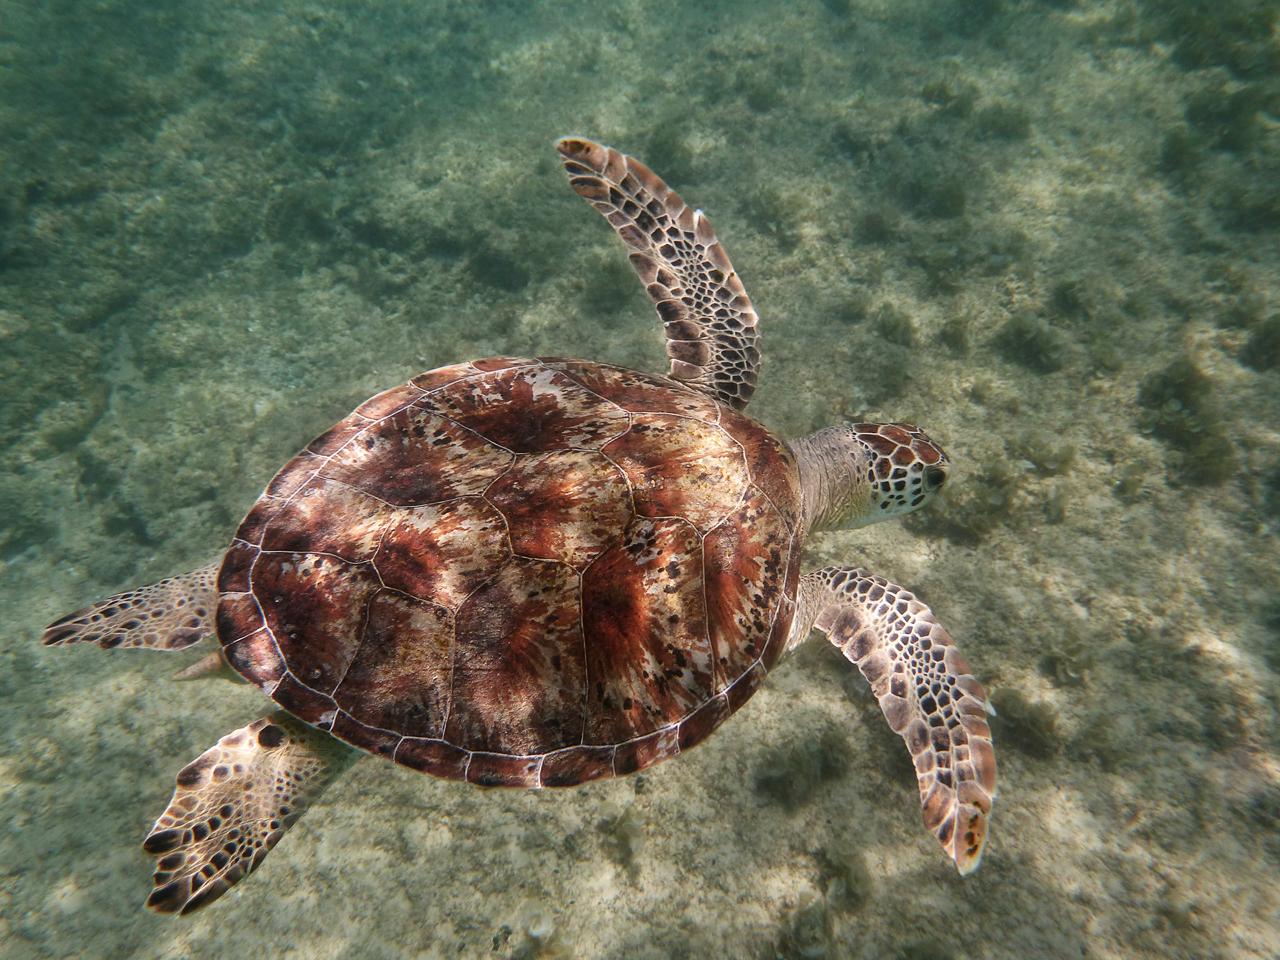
[{"x": 520, "y": 572}]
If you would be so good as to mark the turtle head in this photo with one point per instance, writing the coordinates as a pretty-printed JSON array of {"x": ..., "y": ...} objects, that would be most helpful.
[
  {"x": 857, "y": 474},
  {"x": 903, "y": 469}
]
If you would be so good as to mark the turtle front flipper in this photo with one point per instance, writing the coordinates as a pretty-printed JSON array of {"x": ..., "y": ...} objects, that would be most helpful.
[
  {"x": 233, "y": 803},
  {"x": 169, "y": 615},
  {"x": 709, "y": 320},
  {"x": 927, "y": 694}
]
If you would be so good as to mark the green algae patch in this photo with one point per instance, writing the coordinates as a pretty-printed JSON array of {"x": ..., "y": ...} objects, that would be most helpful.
[
  {"x": 952, "y": 98},
  {"x": 1031, "y": 342},
  {"x": 1003, "y": 121},
  {"x": 1180, "y": 410},
  {"x": 1228, "y": 118},
  {"x": 791, "y": 774},
  {"x": 844, "y": 877},
  {"x": 956, "y": 335},
  {"x": 1046, "y": 450},
  {"x": 895, "y": 325},
  {"x": 1262, "y": 350},
  {"x": 1237, "y": 35},
  {"x": 938, "y": 196},
  {"x": 976, "y": 507},
  {"x": 622, "y": 835}
]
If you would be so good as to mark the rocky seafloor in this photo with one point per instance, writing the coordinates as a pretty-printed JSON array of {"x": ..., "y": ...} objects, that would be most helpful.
[{"x": 1046, "y": 231}]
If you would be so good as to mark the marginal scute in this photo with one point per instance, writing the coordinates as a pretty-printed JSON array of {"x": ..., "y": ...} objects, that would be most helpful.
[
  {"x": 699, "y": 724},
  {"x": 574, "y": 765},
  {"x": 294, "y": 474},
  {"x": 435, "y": 757},
  {"x": 497, "y": 770},
  {"x": 742, "y": 689},
  {"x": 380, "y": 743},
  {"x": 304, "y": 702},
  {"x": 337, "y": 436},
  {"x": 238, "y": 616},
  {"x": 633, "y": 755},
  {"x": 255, "y": 523},
  {"x": 256, "y": 657},
  {"x": 233, "y": 575},
  {"x": 389, "y": 401},
  {"x": 488, "y": 364},
  {"x": 443, "y": 376},
  {"x": 638, "y": 392}
]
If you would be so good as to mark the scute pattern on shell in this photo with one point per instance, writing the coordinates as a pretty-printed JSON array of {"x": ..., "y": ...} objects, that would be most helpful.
[{"x": 520, "y": 572}]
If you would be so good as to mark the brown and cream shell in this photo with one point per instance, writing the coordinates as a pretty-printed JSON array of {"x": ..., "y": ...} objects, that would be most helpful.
[{"x": 520, "y": 572}]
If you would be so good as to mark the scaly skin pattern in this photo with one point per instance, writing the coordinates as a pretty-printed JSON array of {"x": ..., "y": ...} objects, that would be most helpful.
[
  {"x": 855, "y": 474},
  {"x": 232, "y": 804},
  {"x": 927, "y": 692},
  {"x": 706, "y": 314},
  {"x": 169, "y": 615},
  {"x": 520, "y": 572}
]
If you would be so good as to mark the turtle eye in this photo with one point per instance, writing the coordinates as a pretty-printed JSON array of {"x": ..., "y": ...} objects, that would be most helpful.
[{"x": 934, "y": 477}]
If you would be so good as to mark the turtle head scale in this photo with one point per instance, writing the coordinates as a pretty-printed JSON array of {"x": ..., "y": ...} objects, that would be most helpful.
[{"x": 855, "y": 474}]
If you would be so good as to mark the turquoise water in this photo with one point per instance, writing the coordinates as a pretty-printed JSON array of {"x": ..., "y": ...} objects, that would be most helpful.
[{"x": 1045, "y": 231}]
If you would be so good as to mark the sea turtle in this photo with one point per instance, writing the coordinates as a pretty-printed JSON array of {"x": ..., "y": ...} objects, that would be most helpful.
[{"x": 540, "y": 572}]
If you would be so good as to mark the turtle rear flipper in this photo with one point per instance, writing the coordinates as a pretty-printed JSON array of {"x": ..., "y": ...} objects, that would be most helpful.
[
  {"x": 233, "y": 803},
  {"x": 926, "y": 692},
  {"x": 169, "y": 615}
]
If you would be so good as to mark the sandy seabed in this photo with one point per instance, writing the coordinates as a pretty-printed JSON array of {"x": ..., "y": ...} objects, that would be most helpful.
[{"x": 1046, "y": 231}]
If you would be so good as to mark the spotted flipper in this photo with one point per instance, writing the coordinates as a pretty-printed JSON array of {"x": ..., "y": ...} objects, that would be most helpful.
[
  {"x": 233, "y": 803},
  {"x": 169, "y": 615},
  {"x": 926, "y": 692},
  {"x": 710, "y": 323}
]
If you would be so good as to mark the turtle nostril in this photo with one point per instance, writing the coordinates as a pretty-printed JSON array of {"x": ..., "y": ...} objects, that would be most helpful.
[{"x": 935, "y": 477}]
